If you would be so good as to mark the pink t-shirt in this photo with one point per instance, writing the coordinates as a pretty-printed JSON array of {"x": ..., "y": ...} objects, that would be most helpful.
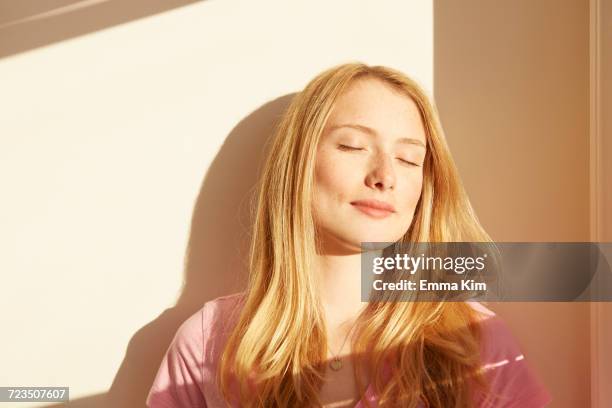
[{"x": 186, "y": 377}]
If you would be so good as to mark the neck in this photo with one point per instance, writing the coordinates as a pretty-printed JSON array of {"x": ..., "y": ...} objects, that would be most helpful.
[{"x": 340, "y": 287}]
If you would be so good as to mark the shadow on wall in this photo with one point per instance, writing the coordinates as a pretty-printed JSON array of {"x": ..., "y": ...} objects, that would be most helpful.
[
  {"x": 215, "y": 260},
  {"x": 28, "y": 24}
]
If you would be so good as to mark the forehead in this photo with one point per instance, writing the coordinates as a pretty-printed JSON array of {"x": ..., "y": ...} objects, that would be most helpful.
[{"x": 376, "y": 104}]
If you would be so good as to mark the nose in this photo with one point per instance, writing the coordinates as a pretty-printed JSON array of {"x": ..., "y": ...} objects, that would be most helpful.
[{"x": 381, "y": 176}]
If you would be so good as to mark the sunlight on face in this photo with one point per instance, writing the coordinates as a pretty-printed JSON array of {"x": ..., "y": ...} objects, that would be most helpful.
[{"x": 369, "y": 167}]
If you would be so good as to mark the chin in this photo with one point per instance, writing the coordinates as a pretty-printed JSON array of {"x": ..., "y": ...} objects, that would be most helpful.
[{"x": 373, "y": 237}]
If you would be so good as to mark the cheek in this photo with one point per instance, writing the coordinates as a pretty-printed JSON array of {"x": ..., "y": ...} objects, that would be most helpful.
[
  {"x": 412, "y": 192},
  {"x": 332, "y": 180}
]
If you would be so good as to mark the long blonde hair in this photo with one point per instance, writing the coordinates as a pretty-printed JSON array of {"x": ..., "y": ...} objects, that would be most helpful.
[{"x": 280, "y": 333}]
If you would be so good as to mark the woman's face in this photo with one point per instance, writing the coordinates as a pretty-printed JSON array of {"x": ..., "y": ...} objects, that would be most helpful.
[{"x": 370, "y": 155}]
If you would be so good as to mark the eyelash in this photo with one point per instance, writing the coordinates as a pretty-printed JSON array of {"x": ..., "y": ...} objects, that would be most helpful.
[
  {"x": 345, "y": 147},
  {"x": 350, "y": 148}
]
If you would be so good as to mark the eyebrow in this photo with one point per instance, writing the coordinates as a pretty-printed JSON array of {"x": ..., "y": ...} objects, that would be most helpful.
[{"x": 369, "y": 130}]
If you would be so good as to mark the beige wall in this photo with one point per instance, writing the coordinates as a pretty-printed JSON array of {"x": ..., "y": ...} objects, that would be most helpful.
[
  {"x": 512, "y": 86},
  {"x": 122, "y": 147}
]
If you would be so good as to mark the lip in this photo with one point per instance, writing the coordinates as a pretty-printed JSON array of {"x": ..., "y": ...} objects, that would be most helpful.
[{"x": 374, "y": 208}]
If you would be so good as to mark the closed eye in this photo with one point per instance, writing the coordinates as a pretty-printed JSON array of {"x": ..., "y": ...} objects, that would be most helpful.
[
  {"x": 345, "y": 147},
  {"x": 408, "y": 162},
  {"x": 352, "y": 148}
]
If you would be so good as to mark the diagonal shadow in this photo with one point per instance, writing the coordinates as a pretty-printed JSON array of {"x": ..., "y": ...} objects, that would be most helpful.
[{"x": 29, "y": 24}]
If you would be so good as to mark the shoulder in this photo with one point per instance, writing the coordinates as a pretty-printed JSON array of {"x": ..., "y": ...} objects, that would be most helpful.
[
  {"x": 227, "y": 302},
  {"x": 513, "y": 381},
  {"x": 212, "y": 310},
  {"x": 481, "y": 309},
  {"x": 223, "y": 309},
  {"x": 498, "y": 341},
  {"x": 217, "y": 319},
  {"x": 186, "y": 373},
  {"x": 215, "y": 314},
  {"x": 497, "y": 338},
  {"x": 199, "y": 332}
]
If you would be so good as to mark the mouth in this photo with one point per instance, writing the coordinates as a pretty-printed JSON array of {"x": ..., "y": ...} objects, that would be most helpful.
[{"x": 374, "y": 208}]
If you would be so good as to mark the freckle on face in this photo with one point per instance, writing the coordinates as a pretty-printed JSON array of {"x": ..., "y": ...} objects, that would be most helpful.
[{"x": 340, "y": 176}]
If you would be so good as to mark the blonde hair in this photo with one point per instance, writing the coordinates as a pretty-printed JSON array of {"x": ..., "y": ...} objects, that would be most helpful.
[{"x": 280, "y": 335}]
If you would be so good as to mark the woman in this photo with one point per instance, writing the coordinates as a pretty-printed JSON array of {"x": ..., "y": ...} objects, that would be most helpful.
[{"x": 359, "y": 156}]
